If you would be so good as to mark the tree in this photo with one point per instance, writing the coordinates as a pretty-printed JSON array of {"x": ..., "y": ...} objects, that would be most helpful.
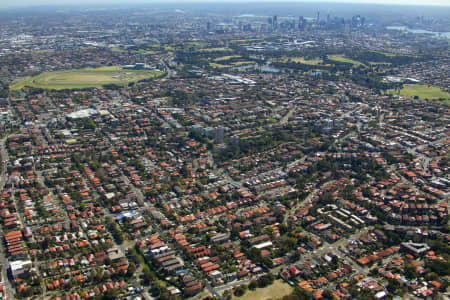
[
  {"x": 442, "y": 268},
  {"x": 131, "y": 269},
  {"x": 410, "y": 272},
  {"x": 110, "y": 294},
  {"x": 227, "y": 295},
  {"x": 393, "y": 285},
  {"x": 299, "y": 294},
  {"x": 265, "y": 280},
  {"x": 269, "y": 231},
  {"x": 240, "y": 290},
  {"x": 283, "y": 228},
  {"x": 291, "y": 243},
  {"x": 327, "y": 294},
  {"x": 253, "y": 285}
]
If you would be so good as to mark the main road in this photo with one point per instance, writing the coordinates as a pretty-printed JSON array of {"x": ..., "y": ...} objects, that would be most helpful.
[{"x": 4, "y": 261}]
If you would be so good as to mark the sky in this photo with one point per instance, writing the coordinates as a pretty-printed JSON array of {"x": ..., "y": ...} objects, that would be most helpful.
[{"x": 21, "y": 3}]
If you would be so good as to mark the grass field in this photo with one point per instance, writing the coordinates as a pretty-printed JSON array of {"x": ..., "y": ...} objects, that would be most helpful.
[
  {"x": 194, "y": 45},
  {"x": 227, "y": 57},
  {"x": 302, "y": 60},
  {"x": 277, "y": 290},
  {"x": 161, "y": 47},
  {"x": 214, "y": 65},
  {"x": 124, "y": 50},
  {"x": 385, "y": 53},
  {"x": 222, "y": 49},
  {"x": 84, "y": 78},
  {"x": 341, "y": 58},
  {"x": 242, "y": 63},
  {"x": 372, "y": 63},
  {"x": 424, "y": 92},
  {"x": 246, "y": 41}
]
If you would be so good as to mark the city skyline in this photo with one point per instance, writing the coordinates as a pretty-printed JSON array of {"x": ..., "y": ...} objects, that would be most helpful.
[{"x": 31, "y": 3}]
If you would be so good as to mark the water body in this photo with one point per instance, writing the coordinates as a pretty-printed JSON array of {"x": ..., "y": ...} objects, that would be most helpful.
[
  {"x": 245, "y": 67},
  {"x": 270, "y": 69},
  {"x": 420, "y": 31}
]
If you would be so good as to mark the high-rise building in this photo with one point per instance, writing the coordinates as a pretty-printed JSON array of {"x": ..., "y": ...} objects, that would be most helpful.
[
  {"x": 219, "y": 135},
  {"x": 301, "y": 22},
  {"x": 275, "y": 22}
]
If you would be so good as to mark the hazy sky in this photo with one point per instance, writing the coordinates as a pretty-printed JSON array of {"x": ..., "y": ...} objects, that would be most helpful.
[{"x": 15, "y": 3}]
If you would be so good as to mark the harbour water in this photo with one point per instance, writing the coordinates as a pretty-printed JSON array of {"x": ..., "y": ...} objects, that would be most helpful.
[{"x": 404, "y": 28}]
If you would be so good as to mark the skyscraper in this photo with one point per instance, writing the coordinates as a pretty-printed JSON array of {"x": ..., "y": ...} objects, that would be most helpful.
[
  {"x": 219, "y": 135},
  {"x": 275, "y": 22},
  {"x": 301, "y": 22}
]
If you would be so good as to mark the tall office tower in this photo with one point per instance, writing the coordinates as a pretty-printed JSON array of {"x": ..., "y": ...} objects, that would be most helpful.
[
  {"x": 301, "y": 22},
  {"x": 318, "y": 17},
  {"x": 219, "y": 135},
  {"x": 275, "y": 22}
]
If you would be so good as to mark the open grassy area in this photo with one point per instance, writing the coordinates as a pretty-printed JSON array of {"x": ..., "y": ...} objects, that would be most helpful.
[
  {"x": 277, "y": 290},
  {"x": 242, "y": 63},
  {"x": 302, "y": 60},
  {"x": 214, "y": 65},
  {"x": 246, "y": 40},
  {"x": 118, "y": 49},
  {"x": 372, "y": 63},
  {"x": 385, "y": 53},
  {"x": 161, "y": 47},
  {"x": 424, "y": 92},
  {"x": 222, "y": 49},
  {"x": 125, "y": 50},
  {"x": 84, "y": 78},
  {"x": 341, "y": 58},
  {"x": 227, "y": 57},
  {"x": 194, "y": 44}
]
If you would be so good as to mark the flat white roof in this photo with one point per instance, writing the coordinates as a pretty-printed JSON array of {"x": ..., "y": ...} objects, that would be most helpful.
[{"x": 263, "y": 245}]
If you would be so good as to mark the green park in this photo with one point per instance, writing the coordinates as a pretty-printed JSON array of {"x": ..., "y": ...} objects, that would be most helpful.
[
  {"x": 85, "y": 78},
  {"x": 423, "y": 91}
]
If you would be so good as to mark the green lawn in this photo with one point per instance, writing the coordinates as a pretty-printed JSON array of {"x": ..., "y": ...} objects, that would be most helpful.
[
  {"x": 84, "y": 78},
  {"x": 187, "y": 45},
  {"x": 119, "y": 49},
  {"x": 277, "y": 290},
  {"x": 222, "y": 49},
  {"x": 246, "y": 40},
  {"x": 385, "y": 53},
  {"x": 214, "y": 65},
  {"x": 302, "y": 60},
  {"x": 341, "y": 58},
  {"x": 242, "y": 63},
  {"x": 372, "y": 63},
  {"x": 424, "y": 92},
  {"x": 125, "y": 50},
  {"x": 222, "y": 58},
  {"x": 161, "y": 47}
]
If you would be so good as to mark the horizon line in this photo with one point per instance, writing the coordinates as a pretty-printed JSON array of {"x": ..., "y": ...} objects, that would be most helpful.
[{"x": 119, "y": 3}]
